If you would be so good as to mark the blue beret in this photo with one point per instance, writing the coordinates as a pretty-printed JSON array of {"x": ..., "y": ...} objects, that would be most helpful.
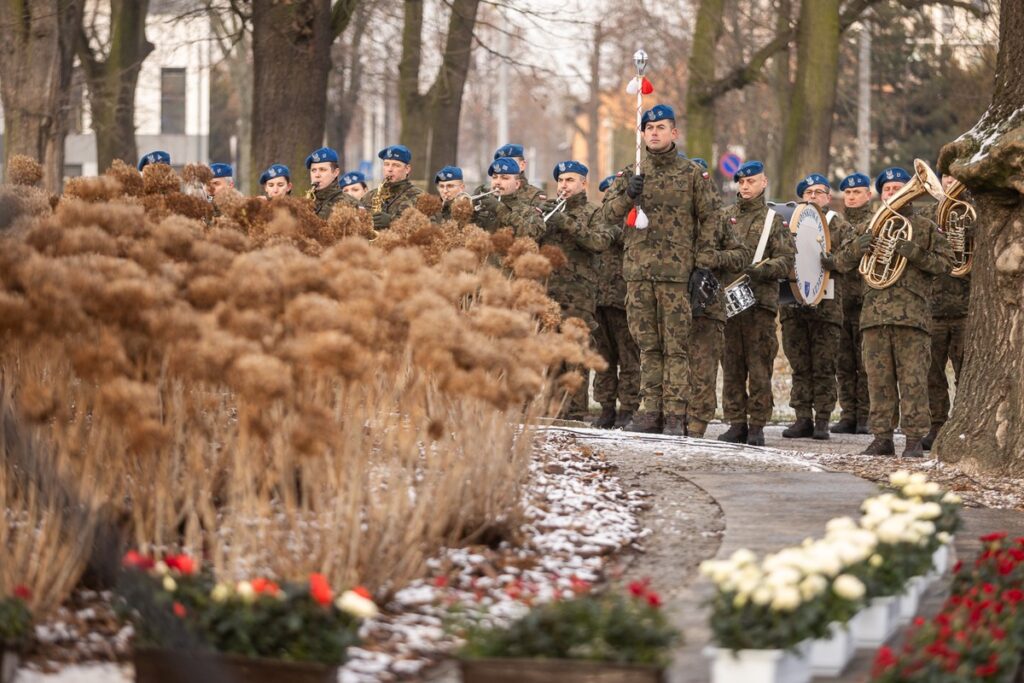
[
  {"x": 893, "y": 174},
  {"x": 320, "y": 156},
  {"x": 396, "y": 153},
  {"x": 748, "y": 169},
  {"x": 570, "y": 167},
  {"x": 606, "y": 183},
  {"x": 222, "y": 170},
  {"x": 700, "y": 162},
  {"x": 855, "y": 180},
  {"x": 509, "y": 150},
  {"x": 812, "y": 179},
  {"x": 503, "y": 166},
  {"x": 154, "y": 157},
  {"x": 275, "y": 171},
  {"x": 351, "y": 178},
  {"x": 448, "y": 173},
  {"x": 659, "y": 112}
]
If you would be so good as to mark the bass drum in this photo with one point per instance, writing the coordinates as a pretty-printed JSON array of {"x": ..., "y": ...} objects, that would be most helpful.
[{"x": 810, "y": 233}]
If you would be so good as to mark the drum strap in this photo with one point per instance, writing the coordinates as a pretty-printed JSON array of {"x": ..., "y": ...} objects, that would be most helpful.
[
  {"x": 829, "y": 216},
  {"x": 762, "y": 243}
]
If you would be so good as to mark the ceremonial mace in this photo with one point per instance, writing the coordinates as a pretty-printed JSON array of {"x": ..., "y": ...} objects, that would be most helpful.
[{"x": 637, "y": 217}]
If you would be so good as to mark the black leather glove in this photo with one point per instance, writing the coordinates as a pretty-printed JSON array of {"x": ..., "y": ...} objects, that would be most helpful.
[
  {"x": 828, "y": 261},
  {"x": 906, "y": 249},
  {"x": 863, "y": 242},
  {"x": 489, "y": 203},
  {"x": 557, "y": 219},
  {"x": 381, "y": 220},
  {"x": 635, "y": 186},
  {"x": 759, "y": 272},
  {"x": 707, "y": 259}
]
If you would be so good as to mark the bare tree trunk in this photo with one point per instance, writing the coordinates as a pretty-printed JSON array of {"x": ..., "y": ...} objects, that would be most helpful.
[
  {"x": 781, "y": 83},
  {"x": 984, "y": 431},
  {"x": 700, "y": 105},
  {"x": 112, "y": 72},
  {"x": 291, "y": 41},
  {"x": 38, "y": 38},
  {"x": 594, "y": 105},
  {"x": 347, "y": 89}
]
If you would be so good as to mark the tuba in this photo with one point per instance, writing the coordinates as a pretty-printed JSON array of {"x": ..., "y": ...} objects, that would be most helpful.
[
  {"x": 955, "y": 216},
  {"x": 882, "y": 266}
]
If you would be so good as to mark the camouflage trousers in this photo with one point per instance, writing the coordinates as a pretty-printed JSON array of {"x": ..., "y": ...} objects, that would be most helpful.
[
  {"x": 748, "y": 360},
  {"x": 577, "y": 404},
  {"x": 707, "y": 338},
  {"x": 659, "y": 320},
  {"x": 896, "y": 358},
  {"x": 811, "y": 345},
  {"x": 947, "y": 344},
  {"x": 853, "y": 382},
  {"x": 615, "y": 344}
]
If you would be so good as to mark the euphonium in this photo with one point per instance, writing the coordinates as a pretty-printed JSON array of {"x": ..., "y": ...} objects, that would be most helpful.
[
  {"x": 882, "y": 266},
  {"x": 955, "y": 216}
]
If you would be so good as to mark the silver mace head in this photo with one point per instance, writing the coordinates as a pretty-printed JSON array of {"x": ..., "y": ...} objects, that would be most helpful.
[{"x": 640, "y": 61}]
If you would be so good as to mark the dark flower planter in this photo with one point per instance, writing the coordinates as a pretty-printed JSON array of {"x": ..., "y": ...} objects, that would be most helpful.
[
  {"x": 8, "y": 663},
  {"x": 560, "y": 670},
  {"x": 153, "y": 665}
]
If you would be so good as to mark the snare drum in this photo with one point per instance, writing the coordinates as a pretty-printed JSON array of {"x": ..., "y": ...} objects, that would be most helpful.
[{"x": 739, "y": 296}]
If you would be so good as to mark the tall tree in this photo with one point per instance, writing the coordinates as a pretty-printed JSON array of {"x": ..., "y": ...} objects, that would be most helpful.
[
  {"x": 430, "y": 121},
  {"x": 37, "y": 39},
  {"x": 232, "y": 31},
  {"x": 111, "y": 48},
  {"x": 983, "y": 432},
  {"x": 346, "y": 84},
  {"x": 700, "y": 115}
]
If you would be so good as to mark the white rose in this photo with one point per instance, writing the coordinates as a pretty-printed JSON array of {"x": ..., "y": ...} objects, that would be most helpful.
[
  {"x": 245, "y": 591},
  {"x": 743, "y": 557},
  {"x": 930, "y": 488},
  {"x": 160, "y": 568},
  {"x": 840, "y": 524},
  {"x": 875, "y": 560},
  {"x": 900, "y": 505},
  {"x": 848, "y": 587},
  {"x": 827, "y": 559},
  {"x": 740, "y": 600},
  {"x": 170, "y": 585},
  {"x": 943, "y": 537},
  {"x": 892, "y": 530},
  {"x": 783, "y": 576},
  {"x": 952, "y": 498},
  {"x": 900, "y": 478},
  {"x": 761, "y": 596},
  {"x": 928, "y": 511},
  {"x": 786, "y": 599},
  {"x": 356, "y": 605},
  {"x": 813, "y": 586},
  {"x": 918, "y": 478},
  {"x": 924, "y": 529},
  {"x": 220, "y": 592}
]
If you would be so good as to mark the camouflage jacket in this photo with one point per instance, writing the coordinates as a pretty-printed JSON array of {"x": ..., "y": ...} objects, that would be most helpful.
[
  {"x": 611, "y": 288},
  {"x": 677, "y": 196},
  {"x": 733, "y": 255},
  {"x": 533, "y": 195},
  {"x": 747, "y": 217},
  {"x": 516, "y": 212},
  {"x": 581, "y": 237},
  {"x": 828, "y": 310},
  {"x": 850, "y": 282},
  {"x": 950, "y": 295},
  {"x": 907, "y": 302},
  {"x": 325, "y": 199},
  {"x": 399, "y": 197}
]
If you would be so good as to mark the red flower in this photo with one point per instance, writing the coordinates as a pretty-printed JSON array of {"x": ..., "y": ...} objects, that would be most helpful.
[
  {"x": 998, "y": 633},
  {"x": 1020, "y": 540},
  {"x": 179, "y": 610},
  {"x": 22, "y": 592},
  {"x": 1006, "y": 567},
  {"x": 653, "y": 599},
  {"x": 135, "y": 560},
  {"x": 993, "y": 537},
  {"x": 183, "y": 563},
  {"x": 983, "y": 670},
  {"x": 578, "y": 585},
  {"x": 639, "y": 588},
  {"x": 958, "y": 566},
  {"x": 266, "y": 586},
  {"x": 440, "y": 581},
  {"x": 884, "y": 660},
  {"x": 319, "y": 589},
  {"x": 362, "y": 592},
  {"x": 1014, "y": 595}
]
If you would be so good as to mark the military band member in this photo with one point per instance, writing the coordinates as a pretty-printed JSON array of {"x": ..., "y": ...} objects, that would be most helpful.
[
  {"x": 322, "y": 165},
  {"x": 509, "y": 206},
  {"x": 276, "y": 181},
  {"x": 810, "y": 334},
  {"x": 532, "y": 195},
  {"x": 396, "y": 193},
  {"x": 676, "y": 196},
  {"x": 353, "y": 184},
  {"x": 751, "y": 342},
  {"x": 895, "y": 323},
  {"x": 223, "y": 179},
  {"x": 450, "y": 186},
  {"x": 950, "y": 296},
  {"x": 850, "y": 375},
  {"x": 581, "y": 233},
  {"x": 155, "y": 157},
  {"x": 620, "y": 382}
]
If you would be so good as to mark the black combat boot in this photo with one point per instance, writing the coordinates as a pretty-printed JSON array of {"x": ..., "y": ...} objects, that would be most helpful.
[
  {"x": 623, "y": 418},
  {"x": 862, "y": 426},
  {"x": 736, "y": 433},
  {"x": 647, "y": 422},
  {"x": 675, "y": 425},
  {"x": 913, "y": 449},
  {"x": 606, "y": 420},
  {"x": 927, "y": 441},
  {"x": 846, "y": 425},
  {"x": 881, "y": 445},
  {"x": 755, "y": 436},
  {"x": 820, "y": 429},
  {"x": 801, "y": 429},
  {"x": 695, "y": 428}
]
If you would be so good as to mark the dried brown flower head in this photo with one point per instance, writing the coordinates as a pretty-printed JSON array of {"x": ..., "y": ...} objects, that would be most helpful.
[
  {"x": 462, "y": 210},
  {"x": 129, "y": 179},
  {"x": 532, "y": 266},
  {"x": 197, "y": 173},
  {"x": 429, "y": 204},
  {"x": 554, "y": 255},
  {"x": 502, "y": 240},
  {"x": 24, "y": 170},
  {"x": 160, "y": 179},
  {"x": 93, "y": 189}
]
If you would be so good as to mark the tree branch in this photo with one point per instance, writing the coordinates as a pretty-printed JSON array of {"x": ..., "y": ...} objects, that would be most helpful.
[{"x": 341, "y": 16}]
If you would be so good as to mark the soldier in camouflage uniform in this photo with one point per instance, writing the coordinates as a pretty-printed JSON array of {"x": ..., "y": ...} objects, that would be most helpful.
[
  {"x": 322, "y": 165},
  {"x": 810, "y": 334},
  {"x": 276, "y": 181},
  {"x": 451, "y": 188},
  {"x": 895, "y": 323},
  {"x": 950, "y": 296},
  {"x": 621, "y": 380},
  {"x": 852, "y": 380},
  {"x": 579, "y": 231},
  {"x": 750, "y": 338},
  {"x": 707, "y": 336},
  {"x": 353, "y": 184},
  {"x": 529, "y": 193},
  {"x": 397, "y": 193},
  {"x": 675, "y": 196},
  {"x": 510, "y": 207}
]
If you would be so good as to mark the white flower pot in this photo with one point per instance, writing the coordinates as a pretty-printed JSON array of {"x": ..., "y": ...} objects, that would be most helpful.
[
  {"x": 829, "y": 656},
  {"x": 940, "y": 559},
  {"x": 876, "y": 623},
  {"x": 910, "y": 599},
  {"x": 759, "y": 666}
]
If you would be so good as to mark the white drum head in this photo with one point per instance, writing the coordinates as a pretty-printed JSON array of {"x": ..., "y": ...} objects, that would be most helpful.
[{"x": 810, "y": 233}]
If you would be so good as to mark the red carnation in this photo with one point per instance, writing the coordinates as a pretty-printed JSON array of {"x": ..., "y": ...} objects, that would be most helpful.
[
  {"x": 265, "y": 586},
  {"x": 653, "y": 599},
  {"x": 884, "y": 660},
  {"x": 319, "y": 589},
  {"x": 1014, "y": 595},
  {"x": 993, "y": 537},
  {"x": 441, "y": 581},
  {"x": 998, "y": 633},
  {"x": 179, "y": 610},
  {"x": 22, "y": 592},
  {"x": 135, "y": 560},
  {"x": 983, "y": 670},
  {"x": 362, "y": 592},
  {"x": 183, "y": 563}
]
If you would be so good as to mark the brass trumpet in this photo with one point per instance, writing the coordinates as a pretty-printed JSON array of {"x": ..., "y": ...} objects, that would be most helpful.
[
  {"x": 559, "y": 206},
  {"x": 477, "y": 197}
]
